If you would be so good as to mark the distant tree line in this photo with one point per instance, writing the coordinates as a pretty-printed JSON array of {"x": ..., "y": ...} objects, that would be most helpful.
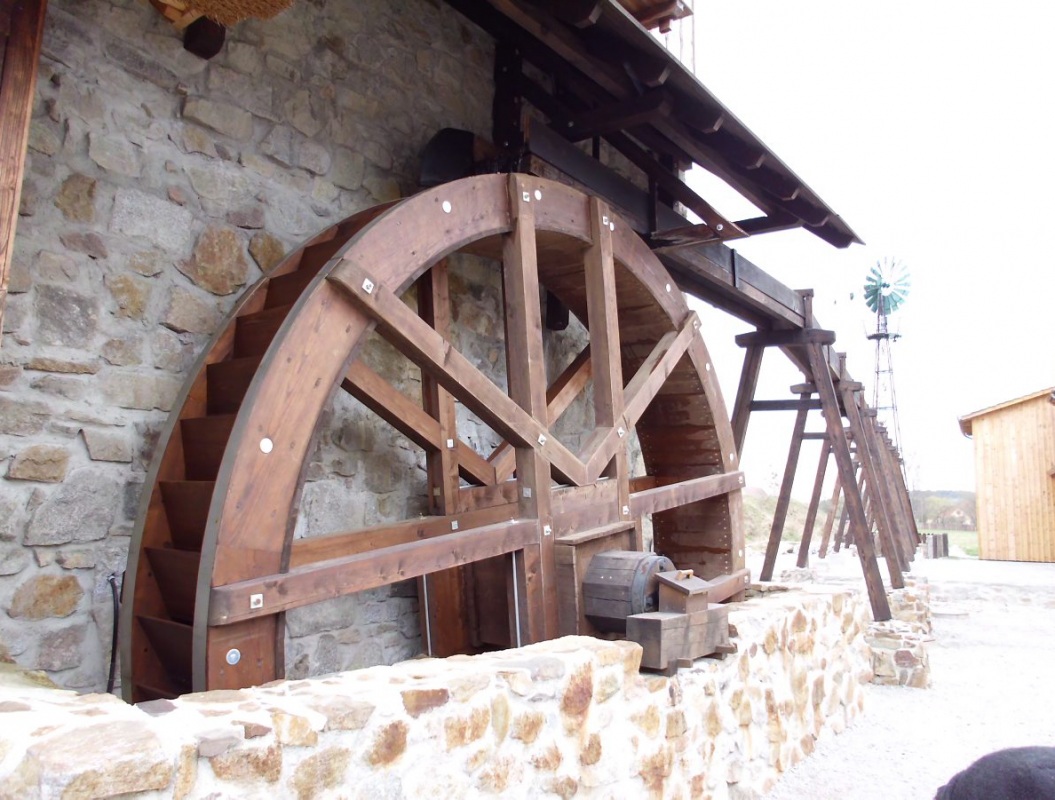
[{"x": 946, "y": 510}]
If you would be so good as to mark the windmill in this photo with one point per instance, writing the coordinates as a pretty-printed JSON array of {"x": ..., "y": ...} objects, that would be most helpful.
[{"x": 886, "y": 288}]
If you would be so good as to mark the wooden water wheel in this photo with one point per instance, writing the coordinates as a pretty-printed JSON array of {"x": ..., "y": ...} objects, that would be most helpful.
[{"x": 214, "y": 564}]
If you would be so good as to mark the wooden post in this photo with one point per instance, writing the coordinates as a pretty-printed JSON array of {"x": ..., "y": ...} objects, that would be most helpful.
[
  {"x": 829, "y": 520},
  {"x": 830, "y": 408},
  {"x": 20, "y": 55},
  {"x": 447, "y": 609},
  {"x": 900, "y": 527},
  {"x": 745, "y": 394},
  {"x": 535, "y": 571},
  {"x": 784, "y": 500},
  {"x": 815, "y": 501},
  {"x": 900, "y": 491},
  {"x": 881, "y": 503}
]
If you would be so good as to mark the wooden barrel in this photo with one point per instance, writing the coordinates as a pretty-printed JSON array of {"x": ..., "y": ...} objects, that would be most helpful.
[{"x": 619, "y": 583}]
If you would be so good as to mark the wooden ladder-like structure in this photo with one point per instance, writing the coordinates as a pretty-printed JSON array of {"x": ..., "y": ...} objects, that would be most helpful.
[
  {"x": 868, "y": 478},
  {"x": 214, "y": 566}
]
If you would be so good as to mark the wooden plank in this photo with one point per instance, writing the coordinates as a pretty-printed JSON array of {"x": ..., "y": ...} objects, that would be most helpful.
[
  {"x": 603, "y": 532},
  {"x": 829, "y": 520},
  {"x": 17, "y": 87},
  {"x": 682, "y": 493},
  {"x": 865, "y": 550},
  {"x": 525, "y": 365},
  {"x": 745, "y": 394},
  {"x": 402, "y": 328},
  {"x": 815, "y": 502},
  {"x": 335, "y": 545},
  {"x": 784, "y": 498},
  {"x": 337, "y": 577},
  {"x": 657, "y": 367},
  {"x": 786, "y": 338},
  {"x": 806, "y": 403}
]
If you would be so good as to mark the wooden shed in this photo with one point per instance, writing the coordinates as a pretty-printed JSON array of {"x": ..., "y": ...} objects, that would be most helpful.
[{"x": 1014, "y": 458}]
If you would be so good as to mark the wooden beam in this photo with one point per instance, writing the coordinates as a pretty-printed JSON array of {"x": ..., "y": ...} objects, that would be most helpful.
[
  {"x": 786, "y": 338},
  {"x": 656, "y": 368},
  {"x": 534, "y": 576},
  {"x": 325, "y": 580},
  {"x": 784, "y": 498},
  {"x": 815, "y": 502},
  {"x": 745, "y": 394},
  {"x": 422, "y": 345},
  {"x": 829, "y": 520},
  {"x": 675, "y": 495},
  {"x": 17, "y": 87},
  {"x": 806, "y": 403},
  {"x": 397, "y": 410},
  {"x": 866, "y": 551},
  {"x": 617, "y": 116}
]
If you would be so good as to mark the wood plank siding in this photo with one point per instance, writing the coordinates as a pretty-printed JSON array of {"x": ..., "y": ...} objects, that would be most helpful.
[{"x": 1014, "y": 454}]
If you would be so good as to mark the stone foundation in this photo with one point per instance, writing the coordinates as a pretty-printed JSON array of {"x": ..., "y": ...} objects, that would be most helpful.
[
  {"x": 899, "y": 646},
  {"x": 568, "y": 717}
]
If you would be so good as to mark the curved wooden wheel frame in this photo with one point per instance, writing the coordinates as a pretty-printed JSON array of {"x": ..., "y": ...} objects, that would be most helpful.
[{"x": 249, "y": 570}]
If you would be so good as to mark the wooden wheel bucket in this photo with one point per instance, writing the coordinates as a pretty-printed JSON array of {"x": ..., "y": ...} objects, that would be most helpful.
[{"x": 213, "y": 564}]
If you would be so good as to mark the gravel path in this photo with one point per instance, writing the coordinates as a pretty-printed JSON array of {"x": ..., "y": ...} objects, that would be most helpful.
[{"x": 993, "y": 673}]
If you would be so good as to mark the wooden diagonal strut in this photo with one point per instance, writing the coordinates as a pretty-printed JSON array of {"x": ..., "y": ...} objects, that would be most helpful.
[
  {"x": 855, "y": 508},
  {"x": 815, "y": 501},
  {"x": 899, "y": 525},
  {"x": 784, "y": 499},
  {"x": 829, "y": 521}
]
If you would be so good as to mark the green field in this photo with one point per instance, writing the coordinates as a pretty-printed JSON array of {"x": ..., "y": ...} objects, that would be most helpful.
[{"x": 965, "y": 540}]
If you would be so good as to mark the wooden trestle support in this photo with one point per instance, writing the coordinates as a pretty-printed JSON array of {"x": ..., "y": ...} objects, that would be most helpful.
[
  {"x": 214, "y": 565},
  {"x": 869, "y": 478}
]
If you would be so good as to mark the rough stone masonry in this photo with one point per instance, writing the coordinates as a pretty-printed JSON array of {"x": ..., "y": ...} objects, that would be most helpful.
[{"x": 157, "y": 187}]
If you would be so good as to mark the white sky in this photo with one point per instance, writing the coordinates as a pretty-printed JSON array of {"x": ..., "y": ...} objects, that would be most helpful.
[{"x": 930, "y": 128}]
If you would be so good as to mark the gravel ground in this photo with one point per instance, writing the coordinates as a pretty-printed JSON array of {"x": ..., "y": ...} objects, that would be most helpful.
[{"x": 993, "y": 675}]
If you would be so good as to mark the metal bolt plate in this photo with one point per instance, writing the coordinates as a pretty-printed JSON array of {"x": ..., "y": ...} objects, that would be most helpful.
[
  {"x": 450, "y": 444},
  {"x": 256, "y": 601},
  {"x": 454, "y": 524},
  {"x": 527, "y": 197},
  {"x": 368, "y": 286},
  {"x": 668, "y": 287},
  {"x": 626, "y": 510},
  {"x": 266, "y": 445},
  {"x": 621, "y": 432},
  {"x": 547, "y": 530},
  {"x": 233, "y": 656},
  {"x": 542, "y": 438}
]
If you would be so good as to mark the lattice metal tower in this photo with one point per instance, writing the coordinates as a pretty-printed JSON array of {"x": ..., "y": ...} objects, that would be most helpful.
[{"x": 886, "y": 288}]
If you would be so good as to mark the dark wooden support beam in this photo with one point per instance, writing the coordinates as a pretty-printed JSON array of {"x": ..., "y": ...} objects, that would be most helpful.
[
  {"x": 506, "y": 112},
  {"x": 815, "y": 502},
  {"x": 806, "y": 403},
  {"x": 786, "y": 338},
  {"x": 865, "y": 549},
  {"x": 337, "y": 577},
  {"x": 829, "y": 520},
  {"x": 618, "y": 116},
  {"x": 784, "y": 498},
  {"x": 745, "y": 395}
]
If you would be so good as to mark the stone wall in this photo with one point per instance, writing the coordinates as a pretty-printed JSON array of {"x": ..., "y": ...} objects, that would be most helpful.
[
  {"x": 157, "y": 186},
  {"x": 571, "y": 717}
]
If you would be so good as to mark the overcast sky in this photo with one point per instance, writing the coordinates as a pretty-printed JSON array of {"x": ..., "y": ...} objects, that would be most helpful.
[{"x": 930, "y": 128}]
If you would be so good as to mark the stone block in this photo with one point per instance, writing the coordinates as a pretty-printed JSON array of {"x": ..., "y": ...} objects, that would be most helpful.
[
  {"x": 80, "y": 510},
  {"x": 42, "y": 462},
  {"x": 76, "y": 198},
  {"x": 44, "y": 596},
  {"x": 144, "y": 216},
  {"x": 142, "y": 390},
  {"x": 45, "y": 364},
  {"x": 187, "y": 313},
  {"x": 218, "y": 262},
  {"x": 91, "y": 244},
  {"x": 131, "y": 295},
  {"x": 135, "y": 61},
  {"x": 61, "y": 649},
  {"x": 65, "y": 317},
  {"x": 125, "y": 352},
  {"x": 13, "y": 559},
  {"x": 222, "y": 117},
  {"x": 107, "y": 445},
  {"x": 115, "y": 155},
  {"x": 22, "y": 417}
]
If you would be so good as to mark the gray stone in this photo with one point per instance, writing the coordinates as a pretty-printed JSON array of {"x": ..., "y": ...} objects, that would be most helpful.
[
  {"x": 29, "y": 199},
  {"x": 65, "y": 317},
  {"x": 22, "y": 417},
  {"x": 132, "y": 295},
  {"x": 61, "y": 649},
  {"x": 13, "y": 559},
  {"x": 80, "y": 101},
  {"x": 54, "y": 268},
  {"x": 251, "y": 218},
  {"x": 140, "y": 390},
  {"x": 76, "y": 558},
  {"x": 218, "y": 263},
  {"x": 45, "y": 364},
  {"x": 137, "y": 63},
  {"x": 313, "y": 157},
  {"x": 222, "y": 117},
  {"x": 165, "y": 224},
  {"x": 178, "y": 195},
  {"x": 91, "y": 243},
  {"x": 20, "y": 278},
  {"x": 80, "y": 510},
  {"x": 248, "y": 91},
  {"x": 9, "y": 374},
  {"x": 197, "y": 140},
  {"x": 243, "y": 57},
  {"x": 301, "y": 114},
  {"x": 278, "y": 144},
  {"x": 147, "y": 263},
  {"x": 107, "y": 445},
  {"x": 123, "y": 352},
  {"x": 186, "y": 313},
  {"x": 329, "y": 615},
  {"x": 169, "y": 353},
  {"x": 43, "y": 138},
  {"x": 76, "y": 198},
  {"x": 221, "y": 182},
  {"x": 115, "y": 155},
  {"x": 348, "y": 169},
  {"x": 60, "y": 386}
]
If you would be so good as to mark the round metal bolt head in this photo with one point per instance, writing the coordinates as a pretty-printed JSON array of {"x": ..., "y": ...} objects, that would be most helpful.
[
  {"x": 626, "y": 510},
  {"x": 538, "y": 194},
  {"x": 446, "y": 206},
  {"x": 266, "y": 445},
  {"x": 233, "y": 656},
  {"x": 719, "y": 227},
  {"x": 667, "y": 287},
  {"x": 611, "y": 226}
]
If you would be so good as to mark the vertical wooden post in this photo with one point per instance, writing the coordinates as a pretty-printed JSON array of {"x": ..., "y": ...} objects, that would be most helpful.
[
  {"x": 603, "y": 322},
  {"x": 830, "y": 408},
  {"x": 897, "y": 478},
  {"x": 536, "y": 569},
  {"x": 880, "y": 502},
  {"x": 815, "y": 502},
  {"x": 446, "y": 605},
  {"x": 784, "y": 500},
  {"x": 745, "y": 394},
  {"x": 900, "y": 528},
  {"x": 18, "y": 81},
  {"x": 829, "y": 520},
  {"x": 842, "y": 535}
]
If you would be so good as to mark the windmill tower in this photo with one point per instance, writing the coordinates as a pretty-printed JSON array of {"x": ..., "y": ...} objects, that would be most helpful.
[{"x": 886, "y": 288}]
